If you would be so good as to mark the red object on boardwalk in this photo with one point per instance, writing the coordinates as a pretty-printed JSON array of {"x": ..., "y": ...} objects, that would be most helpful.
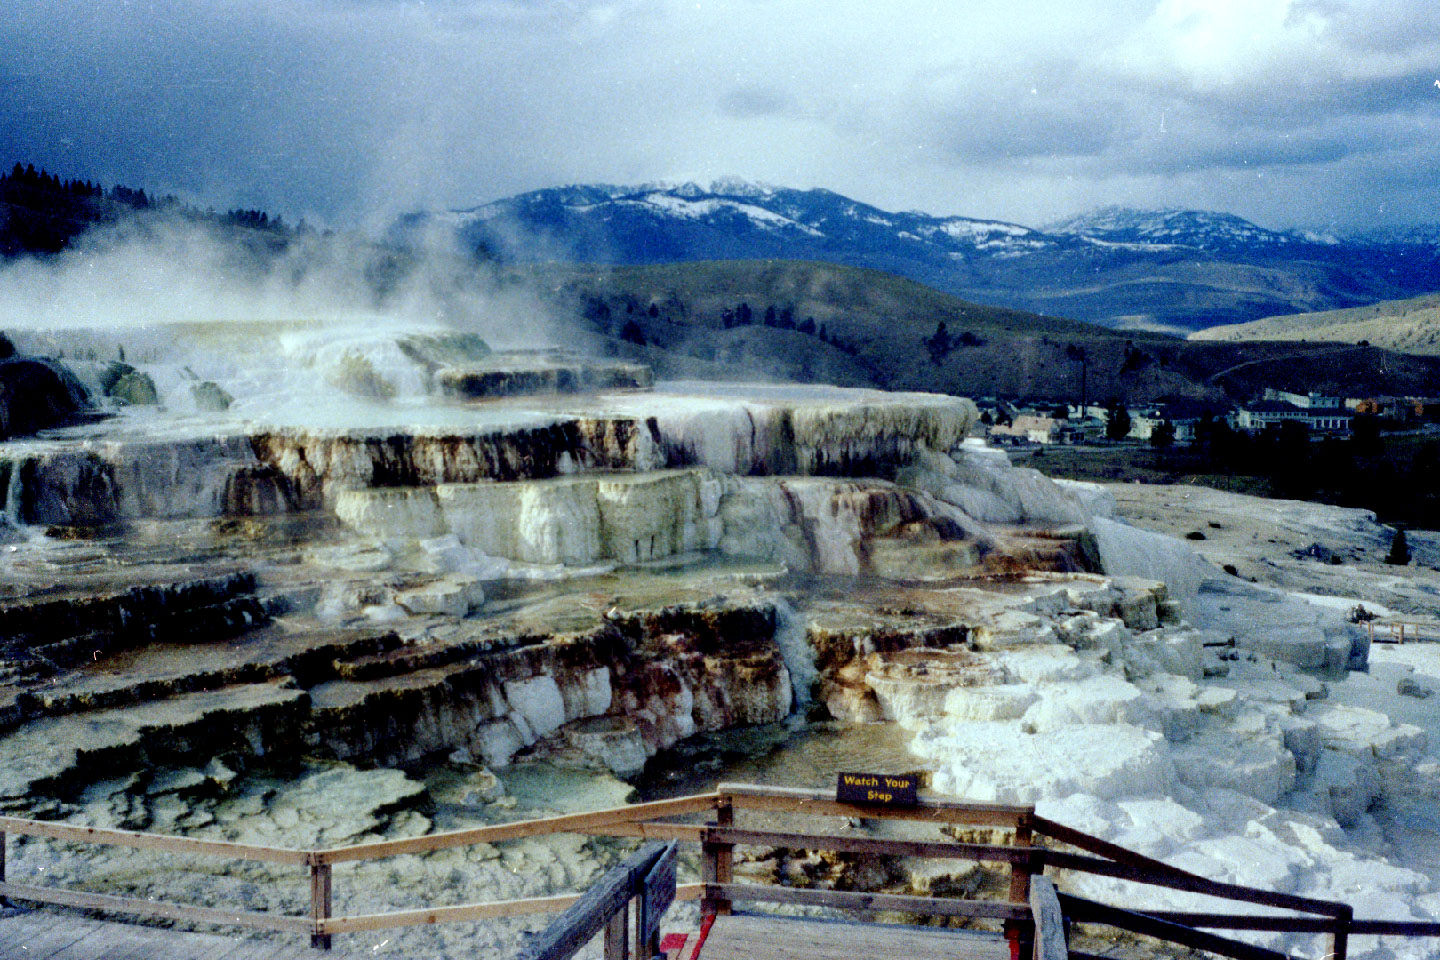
[{"x": 705, "y": 924}]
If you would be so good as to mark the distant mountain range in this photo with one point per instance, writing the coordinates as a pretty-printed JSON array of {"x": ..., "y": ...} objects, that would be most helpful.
[{"x": 1162, "y": 269}]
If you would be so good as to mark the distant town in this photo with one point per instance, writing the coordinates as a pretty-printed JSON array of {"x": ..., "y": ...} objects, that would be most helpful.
[{"x": 1184, "y": 421}]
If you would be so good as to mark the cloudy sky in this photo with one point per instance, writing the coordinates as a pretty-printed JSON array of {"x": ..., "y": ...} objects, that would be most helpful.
[{"x": 1313, "y": 113}]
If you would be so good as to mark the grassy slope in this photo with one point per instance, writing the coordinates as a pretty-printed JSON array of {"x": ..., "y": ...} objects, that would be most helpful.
[
  {"x": 886, "y": 320},
  {"x": 1405, "y": 326}
]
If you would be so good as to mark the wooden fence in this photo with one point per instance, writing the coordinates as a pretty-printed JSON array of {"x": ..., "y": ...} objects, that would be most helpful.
[
  {"x": 1396, "y": 631},
  {"x": 1035, "y": 915},
  {"x": 646, "y": 878}
]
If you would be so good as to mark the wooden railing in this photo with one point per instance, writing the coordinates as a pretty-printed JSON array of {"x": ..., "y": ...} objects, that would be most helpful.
[
  {"x": 1396, "y": 630},
  {"x": 1034, "y": 915},
  {"x": 637, "y": 820},
  {"x": 647, "y": 878},
  {"x": 157, "y": 842}
]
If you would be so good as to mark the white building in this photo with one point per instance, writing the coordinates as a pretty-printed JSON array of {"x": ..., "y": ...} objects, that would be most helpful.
[
  {"x": 1332, "y": 419},
  {"x": 1305, "y": 401}
]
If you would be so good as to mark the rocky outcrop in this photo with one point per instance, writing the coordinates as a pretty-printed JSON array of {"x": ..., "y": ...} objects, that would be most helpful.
[
  {"x": 520, "y": 376},
  {"x": 36, "y": 394},
  {"x": 210, "y": 397},
  {"x": 761, "y": 430},
  {"x": 319, "y": 462},
  {"x": 562, "y": 587},
  {"x": 810, "y": 524},
  {"x": 659, "y": 676},
  {"x": 96, "y": 483},
  {"x": 42, "y": 635}
]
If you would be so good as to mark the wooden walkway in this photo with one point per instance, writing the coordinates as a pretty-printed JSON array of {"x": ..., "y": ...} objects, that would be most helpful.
[
  {"x": 62, "y": 935},
  {"x": 751, "y": 937}
]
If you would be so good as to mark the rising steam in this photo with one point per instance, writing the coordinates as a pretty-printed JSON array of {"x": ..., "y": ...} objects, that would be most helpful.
[
  {"x": 211, "y": 315},
  {"x": 159, "y": 270}
]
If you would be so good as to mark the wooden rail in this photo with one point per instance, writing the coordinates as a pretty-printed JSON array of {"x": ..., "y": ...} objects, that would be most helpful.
[
  {"x": 155, "y": 908},
  {"x": 151, "y": 841},
  {"x": 605, "y": 906},
  {"x": 1088, "y": 911},
  {"x": 1029, "y": 914},
  {"x": 1049, "y": 920},
  {"x": 597, "y": 822},
  {"x": 1191, "y": 884},
  {"x": 635, "y": 820},
  {"x": 866, "y": 902},
  {"x": 1397, "y": 630},
  {"x": 745, "y": 796}
]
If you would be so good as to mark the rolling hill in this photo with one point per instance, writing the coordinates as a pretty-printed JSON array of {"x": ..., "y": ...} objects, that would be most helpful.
[
  {"x": 1405, "y": 326},
  {"x": 880, "y": 330}
]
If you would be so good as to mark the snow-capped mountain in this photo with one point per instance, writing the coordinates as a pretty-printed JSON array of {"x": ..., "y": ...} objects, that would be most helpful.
[
  {"x": 726, "y": 218},
  {"x": 1418, "y": 234},
  {"x": 1195, "y": 229},
  {"x": 1179, "y": 268}
]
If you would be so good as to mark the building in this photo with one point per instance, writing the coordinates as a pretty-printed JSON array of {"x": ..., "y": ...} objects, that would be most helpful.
[
  {"x": 1038, "y": 429},
  {"x": 1266, "y": 413},
  {"x": 1304, "y": 401},
  {"x": 1401, "y": 409},
  {"x": 1032, "y": 428}
]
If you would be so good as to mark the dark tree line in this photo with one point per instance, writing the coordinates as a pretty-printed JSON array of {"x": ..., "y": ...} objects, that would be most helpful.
[
  {"x": 44, "y": 212},
  {"x": 28, "y": 177},
  {"x": 622, "y": 316},
  {"x": 941, "y": 344}
]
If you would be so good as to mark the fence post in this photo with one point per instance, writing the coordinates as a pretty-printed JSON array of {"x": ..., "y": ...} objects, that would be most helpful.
[
  {"x": 1340, "y": 939},
  {"x": 725, "y": 861},
  {"x": 1019, "y": 933},
  {"x": 711, "y": 854},
  {"x": 319, "y": 903},
  {"x": 617, "y": 935},
  {"x": 3, "y": 902}
]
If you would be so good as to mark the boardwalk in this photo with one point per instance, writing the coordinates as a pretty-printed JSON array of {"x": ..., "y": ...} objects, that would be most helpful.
[
  {"x": 62, "y": 935},
  {"x": 749, "y": 937}
]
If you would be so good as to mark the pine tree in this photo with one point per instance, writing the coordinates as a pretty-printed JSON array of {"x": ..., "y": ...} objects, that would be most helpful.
[
  {"x": 1117, "y": 422},
  {"x": 631, "y": 333},
  {"x": 940, "y": 344},
  {"x": 1399, "y": 550},
  {"x": 1163, "y": 436}
]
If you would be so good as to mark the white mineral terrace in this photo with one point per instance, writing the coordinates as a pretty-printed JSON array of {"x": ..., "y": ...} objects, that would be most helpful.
[{"x": 548, "y": 592}]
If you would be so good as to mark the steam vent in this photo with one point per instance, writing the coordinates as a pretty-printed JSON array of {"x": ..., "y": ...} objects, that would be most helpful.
[{"x": 338, "y": 582}]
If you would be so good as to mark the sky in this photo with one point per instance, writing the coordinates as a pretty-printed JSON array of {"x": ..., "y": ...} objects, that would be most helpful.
[{"x": 1319, "y": 114}]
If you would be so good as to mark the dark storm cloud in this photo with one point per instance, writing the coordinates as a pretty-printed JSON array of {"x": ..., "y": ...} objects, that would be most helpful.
[
  {"x": 755, "y": 101},
  {"x": 353, "y": 109}
]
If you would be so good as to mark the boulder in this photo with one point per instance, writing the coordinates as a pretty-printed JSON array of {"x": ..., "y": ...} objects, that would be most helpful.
[
  {"x": 135, "y": 388},
  {"x": 36, "y": 393},
  {"x": 210, "y": 397}
]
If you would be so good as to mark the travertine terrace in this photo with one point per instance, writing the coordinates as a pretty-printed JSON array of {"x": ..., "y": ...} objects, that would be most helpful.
[{"x": 385, "y": 587}]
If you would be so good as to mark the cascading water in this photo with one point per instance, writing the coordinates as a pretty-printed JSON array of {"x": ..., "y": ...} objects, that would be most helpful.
[
  {"x": 11, "y": 491},
  {"x": 796, "y": 651}
]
